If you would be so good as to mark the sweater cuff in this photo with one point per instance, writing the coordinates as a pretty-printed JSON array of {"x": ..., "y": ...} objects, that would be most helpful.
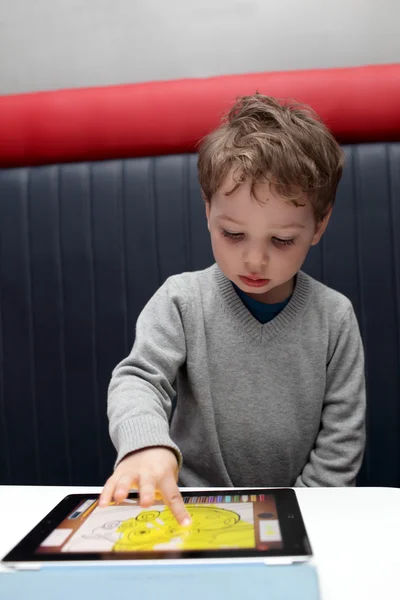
[{"x": 144, "y": 432}]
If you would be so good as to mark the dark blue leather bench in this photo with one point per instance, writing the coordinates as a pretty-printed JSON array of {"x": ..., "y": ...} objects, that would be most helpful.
[{"x": 84, "y": 245}]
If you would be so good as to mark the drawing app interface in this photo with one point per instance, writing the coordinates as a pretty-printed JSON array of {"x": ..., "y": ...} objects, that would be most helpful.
[{"x": 218, "y": 523}]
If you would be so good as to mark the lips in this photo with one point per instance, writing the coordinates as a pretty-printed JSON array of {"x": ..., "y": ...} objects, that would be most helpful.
[{"x": 252, "y": 281}]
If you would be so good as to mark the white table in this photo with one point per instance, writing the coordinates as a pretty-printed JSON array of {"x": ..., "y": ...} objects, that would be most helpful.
[{"x": 355, "y": 534}]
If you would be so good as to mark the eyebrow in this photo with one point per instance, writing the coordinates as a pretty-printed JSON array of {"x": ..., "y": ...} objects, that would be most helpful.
[
  {"x": 288, "y": 226},
  {"x": 226, "y": 218}
]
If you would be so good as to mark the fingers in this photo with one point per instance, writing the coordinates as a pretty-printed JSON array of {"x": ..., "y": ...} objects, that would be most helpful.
[
  {"x": 152, "y": 470},
  {"x": 122, "y": 488},
  {"x": 107, "y": 493},
  {"x": 147, "y": 490},
  {"x": 116, "y": 488},
  {"x": 172, "y": 497}
]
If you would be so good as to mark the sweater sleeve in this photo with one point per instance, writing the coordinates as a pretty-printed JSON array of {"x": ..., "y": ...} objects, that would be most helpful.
[
  {"x": 142, "y": 386},
  {"x": 337, "y": 455}
]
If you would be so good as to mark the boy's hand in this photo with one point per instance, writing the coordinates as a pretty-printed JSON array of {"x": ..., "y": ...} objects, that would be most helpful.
[{"x": 149, "y": 470}]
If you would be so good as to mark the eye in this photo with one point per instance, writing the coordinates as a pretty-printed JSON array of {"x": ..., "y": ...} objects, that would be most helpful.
[
  {"x": 232, "y": 236},
  {"x": 280, "y": 242}
]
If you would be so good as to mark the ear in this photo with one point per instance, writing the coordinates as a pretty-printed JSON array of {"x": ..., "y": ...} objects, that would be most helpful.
[
  {"x": 207, "y": 205},
  {"x": 320, "y": 228}
]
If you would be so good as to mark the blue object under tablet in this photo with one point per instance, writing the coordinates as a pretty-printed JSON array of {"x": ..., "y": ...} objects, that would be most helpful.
[{"x": 211, "y": 582}]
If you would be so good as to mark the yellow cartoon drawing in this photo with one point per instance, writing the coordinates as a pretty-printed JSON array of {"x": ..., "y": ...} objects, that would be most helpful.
[{"x": 212, "y": 528}]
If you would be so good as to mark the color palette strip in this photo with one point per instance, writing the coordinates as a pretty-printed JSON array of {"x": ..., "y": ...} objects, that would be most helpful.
[{"x": 224, "y": 499}]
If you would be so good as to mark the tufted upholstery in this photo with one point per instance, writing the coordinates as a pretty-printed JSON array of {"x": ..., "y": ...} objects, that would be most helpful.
[{"x": 83, "y": 246}]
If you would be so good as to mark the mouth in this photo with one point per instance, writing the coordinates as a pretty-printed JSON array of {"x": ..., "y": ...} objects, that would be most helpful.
[{"x": 253, "y": 281}]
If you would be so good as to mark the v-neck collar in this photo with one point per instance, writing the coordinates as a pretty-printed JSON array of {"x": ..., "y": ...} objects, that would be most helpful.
[{"x": 267, "y": 331}]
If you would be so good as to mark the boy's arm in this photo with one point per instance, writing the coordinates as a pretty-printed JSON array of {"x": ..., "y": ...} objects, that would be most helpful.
[
  {"x": 337, "y": 455},
  {"x": 141, "y": 389}
]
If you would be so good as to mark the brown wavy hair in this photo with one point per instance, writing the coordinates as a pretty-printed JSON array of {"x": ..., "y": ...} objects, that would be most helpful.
[{"x": 281, "y": 142}]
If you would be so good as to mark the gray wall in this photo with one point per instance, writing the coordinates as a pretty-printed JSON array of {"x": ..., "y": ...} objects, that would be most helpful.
[{"x": 50, "y": 44}]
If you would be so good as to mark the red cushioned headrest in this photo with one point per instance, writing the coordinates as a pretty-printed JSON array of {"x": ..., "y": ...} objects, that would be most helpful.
[{"x": 359, "y": 105}]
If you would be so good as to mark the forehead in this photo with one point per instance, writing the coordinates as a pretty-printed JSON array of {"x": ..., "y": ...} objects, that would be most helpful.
[{"x": 261, "y": 203}]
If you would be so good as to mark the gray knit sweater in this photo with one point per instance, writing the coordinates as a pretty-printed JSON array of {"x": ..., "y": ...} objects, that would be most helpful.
[{"x": 278, "y": 404}]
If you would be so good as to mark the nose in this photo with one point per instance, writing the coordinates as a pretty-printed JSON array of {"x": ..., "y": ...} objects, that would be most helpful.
[{"x": 256, "y": 260}]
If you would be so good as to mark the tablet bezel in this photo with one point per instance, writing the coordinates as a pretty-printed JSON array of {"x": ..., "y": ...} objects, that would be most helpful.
[{"x": 293, "y": 531}]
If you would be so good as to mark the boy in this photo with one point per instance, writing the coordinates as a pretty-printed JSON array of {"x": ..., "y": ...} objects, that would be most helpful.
[{"x": 267, "y": 363}]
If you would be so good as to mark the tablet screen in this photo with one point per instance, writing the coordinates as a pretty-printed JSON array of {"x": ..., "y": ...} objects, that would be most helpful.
[
  {"x": 218, "y": 523},
  {"x": 235, "y": 524}
]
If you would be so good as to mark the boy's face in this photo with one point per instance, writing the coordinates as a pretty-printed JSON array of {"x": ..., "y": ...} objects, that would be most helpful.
[{"x": 261, "y": 244}]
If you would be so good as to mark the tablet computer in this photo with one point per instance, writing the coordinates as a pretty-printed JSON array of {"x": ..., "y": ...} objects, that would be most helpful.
[{"x": 241, "y": 525}]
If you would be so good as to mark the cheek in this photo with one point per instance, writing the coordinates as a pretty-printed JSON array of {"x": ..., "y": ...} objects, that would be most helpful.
[
  {"x": 221, "y": 245},
  {"x": 225, "y": 253},
  {"x": 287, "y": 261},
  {"x": 303, "y": 248},
  {"x": 295, "y": 257}
]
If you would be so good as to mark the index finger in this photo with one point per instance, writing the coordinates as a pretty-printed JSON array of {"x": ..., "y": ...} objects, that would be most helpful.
[
  {"x": 107, "y": 493},
  {"x": 173, "y": 498}
]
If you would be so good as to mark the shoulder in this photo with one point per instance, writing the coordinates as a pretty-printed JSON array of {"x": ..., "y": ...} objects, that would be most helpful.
[
  {"x": 185, "y": 289},
  {"x": 330, "y": 315},
  {"x": 177, "y": 294},
  {"x": 326, "y": 302},
  {"x": 190, "y": 283}
]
